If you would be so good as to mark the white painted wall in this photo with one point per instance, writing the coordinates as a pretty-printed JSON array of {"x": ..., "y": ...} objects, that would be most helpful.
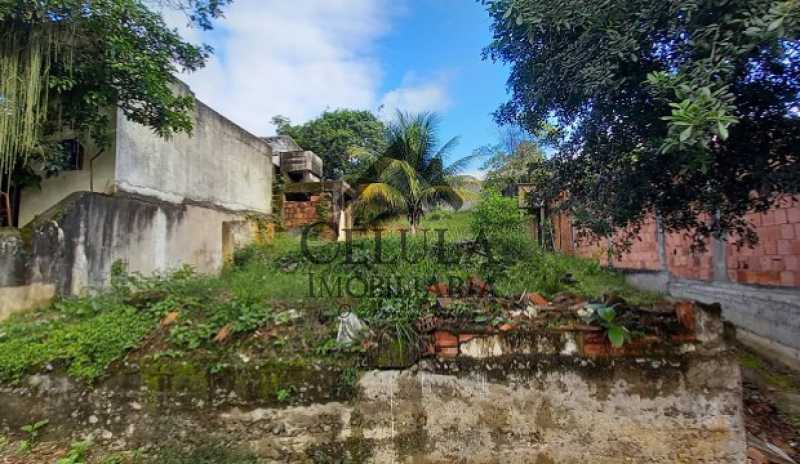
[{"x": 219, "y": 164}]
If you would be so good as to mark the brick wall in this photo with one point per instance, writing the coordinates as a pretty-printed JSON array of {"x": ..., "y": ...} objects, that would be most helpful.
[
  {"x": 297, "y": 214},
  {"x": 642, "y": 255},
  {"x": 775, "y": 260}
]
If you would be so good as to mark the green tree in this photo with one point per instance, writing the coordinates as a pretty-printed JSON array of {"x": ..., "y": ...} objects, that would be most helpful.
[
  {"x": 412, "y": 178},
  {"x": 347, "y": 140},
  {"x": 66, "y": 64},
  {"x": 515, "y": 159},
  {"x": 685, "y": 109}
]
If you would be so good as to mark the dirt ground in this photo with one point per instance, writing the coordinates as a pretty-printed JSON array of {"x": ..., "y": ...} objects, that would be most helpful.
[{"x": 772, "y": 409}]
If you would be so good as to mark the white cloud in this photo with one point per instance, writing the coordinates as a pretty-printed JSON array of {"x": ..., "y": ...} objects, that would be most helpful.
[
  {"x": 298, "y": 58},
  {"x": 416, "y": 95},
  {"x": 294, "y": 58}
]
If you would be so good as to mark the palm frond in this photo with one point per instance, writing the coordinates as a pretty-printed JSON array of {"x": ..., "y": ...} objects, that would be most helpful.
[{"x": 441, "y": 194}]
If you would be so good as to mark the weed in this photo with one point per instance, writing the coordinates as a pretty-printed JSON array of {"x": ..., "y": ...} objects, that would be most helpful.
[
  {"x": 349, "y": 377},
  {"x": 285, "y": 394},
  {"x": 77, "y": 453},
  {"x": 32, "y": 431},
  {"x": 606, "y": 316},
  {"x": 210, "y": 454}
]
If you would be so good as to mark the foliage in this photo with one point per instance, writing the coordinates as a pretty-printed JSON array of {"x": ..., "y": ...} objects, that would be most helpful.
[
  {"x": 515, "y": 159},
  {"x": 606, "y": 317},
  {"x": 412, "y": 178},
  {"x": 76, "y": 454},
  {"x": 73, "y": 61},
  {"x": 347, "y": 140},
  {"x": 496, "y": 216},
  {"x": 683, "y": 109},
  {"x": 260, "y": 297},
  {"x": 32, "y": 431}
]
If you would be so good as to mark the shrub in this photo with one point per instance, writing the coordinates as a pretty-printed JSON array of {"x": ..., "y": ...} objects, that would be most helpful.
[{"x": 497, "y": 216}]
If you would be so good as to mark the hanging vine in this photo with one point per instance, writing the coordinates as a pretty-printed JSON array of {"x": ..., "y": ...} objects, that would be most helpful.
[{"x": 27, "y": 50}]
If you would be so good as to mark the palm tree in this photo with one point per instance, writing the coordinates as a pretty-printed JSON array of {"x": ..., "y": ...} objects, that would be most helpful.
[{"x": 412, "y": 178}]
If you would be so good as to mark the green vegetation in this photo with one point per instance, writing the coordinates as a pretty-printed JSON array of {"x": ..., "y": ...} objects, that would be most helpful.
[
  {"x": 65, "y": 63},
  {"x": 412, "y": 178},
  {"x": 261, "y": 305},
  {"x": 32, "y": 435},
  {"x": 683, "y": 109},
  {"x": 76, "y": 454}
]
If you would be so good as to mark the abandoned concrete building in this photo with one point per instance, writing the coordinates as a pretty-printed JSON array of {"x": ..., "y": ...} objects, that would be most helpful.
[
  {"x": 158, "y": 204},
  {"x": 301, "y": 194}
]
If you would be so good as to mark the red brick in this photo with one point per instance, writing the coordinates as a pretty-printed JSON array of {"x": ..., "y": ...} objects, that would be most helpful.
[
  {"x": 788, "y": 278},
  {"x": 780, "y": 216},
  {"x": 784, "y": 247},
  {"x": 768, "y": 278},
  {"x": 793, "y": 214},
  {"x": 685, "y": 313},
  {"x": 792, "y": 263},
  {"x": 795, "y": 248},
  {"x": 767, "y": 218},
  {"x": 445, "y": 339},
  {"x": 448, "y": 352},
  {"x": 596, "y": 350},
  {"x": 787, "y": 231},
  {"x": 770, "y": 233},
  {"x": 771, "y": 247}
]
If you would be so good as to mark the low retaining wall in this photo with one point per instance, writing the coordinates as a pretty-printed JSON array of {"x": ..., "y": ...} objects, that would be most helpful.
[
  {"x": 496, "y": 400},
  {"x": 767, "y": 319},
  {"x": 509, "y": 410},
  {"x": 71, "y": 248}
]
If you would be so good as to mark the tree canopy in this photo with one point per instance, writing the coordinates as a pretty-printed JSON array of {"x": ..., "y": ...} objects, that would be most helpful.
[
  {"x": 347, "y": 140},
  {"x": 685, "y": 109},
  {"x": 412, "y": 177},
  {"x": 65, "y": 64},
  {"x": 516, "y": 158}
]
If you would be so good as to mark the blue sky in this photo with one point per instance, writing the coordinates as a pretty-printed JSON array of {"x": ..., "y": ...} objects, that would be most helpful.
[{"x": 297, "y": 58}]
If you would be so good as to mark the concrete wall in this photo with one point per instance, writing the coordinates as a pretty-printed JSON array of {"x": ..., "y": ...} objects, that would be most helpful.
[
  {"x": 96, "y": 176},
  {"x": 74, "y": 245},
  {"x": 523, "y": 409},
  {"x": 17, "y": 291},
  {"x": 219, "y": 164},
  {"x": 77, "y": 248}
]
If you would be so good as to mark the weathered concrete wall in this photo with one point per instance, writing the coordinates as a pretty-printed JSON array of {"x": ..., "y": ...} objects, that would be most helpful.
[
  {"x": 97, "y": 175},
  {"x": 768, "y": 318},
  {"x": 17, "y": 291},
  {"x": 76, "y": 245},
  {"x": 501, "y": 410},
  {"x": 219, "y": 164}
]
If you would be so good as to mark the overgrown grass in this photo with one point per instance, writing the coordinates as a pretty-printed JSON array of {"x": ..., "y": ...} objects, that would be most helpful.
[{"x": 267, "y": 284}]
